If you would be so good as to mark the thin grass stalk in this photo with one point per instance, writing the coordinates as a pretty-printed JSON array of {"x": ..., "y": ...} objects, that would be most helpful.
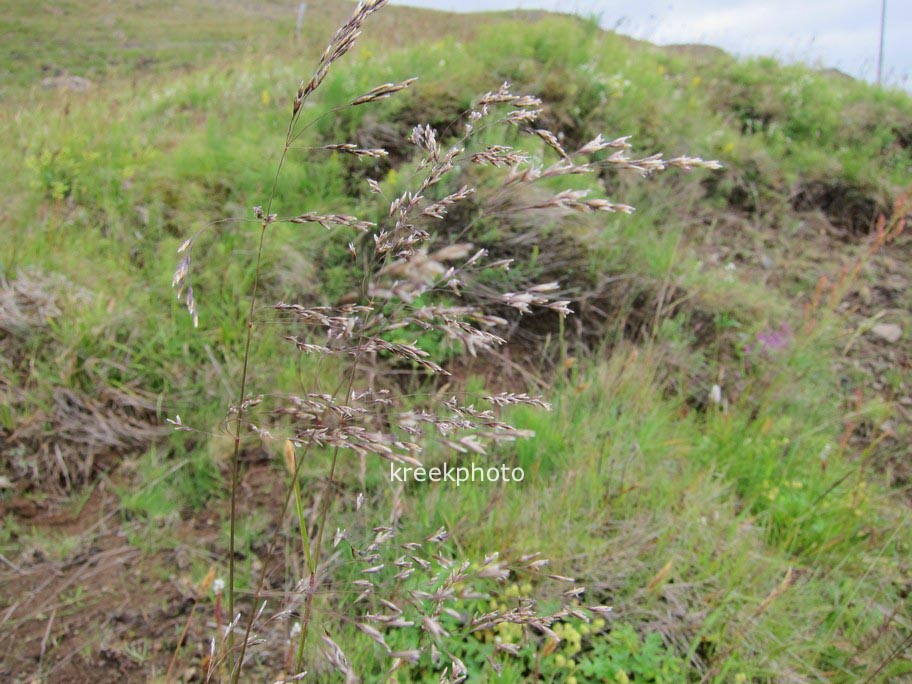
[
  {"x": 327, "y": 499},
  {"x": 305, "y": 542},
  {"x": 201, "y": 591},
  {"x": 235, "y": 457},
  {"x": 308, "y": 606},
  {"x": 270, "y": 550},
  {"x": 302, "y": 524}
]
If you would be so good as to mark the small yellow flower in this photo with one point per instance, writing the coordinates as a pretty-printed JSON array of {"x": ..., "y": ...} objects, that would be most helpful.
[{"x": 264, "y": 98}]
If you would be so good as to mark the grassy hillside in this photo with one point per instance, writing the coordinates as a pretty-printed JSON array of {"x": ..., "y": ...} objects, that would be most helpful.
[{"x": 727, "y": 462}]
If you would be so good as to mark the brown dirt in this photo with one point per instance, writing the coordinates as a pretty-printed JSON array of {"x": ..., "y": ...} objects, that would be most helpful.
[
  {"x": 106, "y": 611},
  {"x": 103, "y": 612},
  {"x": 70, "y": 619}
]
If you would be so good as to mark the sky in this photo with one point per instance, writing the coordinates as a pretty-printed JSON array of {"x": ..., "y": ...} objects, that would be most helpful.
[{"x": 842, "y": 34}]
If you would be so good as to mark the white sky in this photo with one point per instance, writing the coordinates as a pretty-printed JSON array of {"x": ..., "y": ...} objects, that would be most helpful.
[{"x": 833, "y": 33}]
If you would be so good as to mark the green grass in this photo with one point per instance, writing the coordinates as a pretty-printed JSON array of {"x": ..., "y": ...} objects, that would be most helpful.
[{"x": 684, "y": 515}]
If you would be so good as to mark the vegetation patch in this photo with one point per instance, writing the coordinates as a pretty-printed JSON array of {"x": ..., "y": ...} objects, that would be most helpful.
[{"x": 724, "y": 473}]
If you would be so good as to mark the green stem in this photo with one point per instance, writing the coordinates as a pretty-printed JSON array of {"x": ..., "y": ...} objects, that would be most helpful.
[
  {"x": 308, "y": 605},
  {"x": 235, "y": 459},
  {"x": 236, "y": 456},
  {"x": 305, "y": 541},
  {"x": 302, "y": 524}
]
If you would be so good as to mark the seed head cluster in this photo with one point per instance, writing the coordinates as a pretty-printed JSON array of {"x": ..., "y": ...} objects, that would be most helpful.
[{"x": 411, "y": 283}]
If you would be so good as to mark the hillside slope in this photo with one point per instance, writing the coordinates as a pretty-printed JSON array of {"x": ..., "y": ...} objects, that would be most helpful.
[{"x": 727, "y": 462}]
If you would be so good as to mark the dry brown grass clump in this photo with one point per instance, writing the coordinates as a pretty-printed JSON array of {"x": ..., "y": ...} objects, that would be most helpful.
[{"x": 56, "y": 437}]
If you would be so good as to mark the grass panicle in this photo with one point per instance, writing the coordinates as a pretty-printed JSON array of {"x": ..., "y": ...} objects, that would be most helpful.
[{"x": 403, "y": 287}]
